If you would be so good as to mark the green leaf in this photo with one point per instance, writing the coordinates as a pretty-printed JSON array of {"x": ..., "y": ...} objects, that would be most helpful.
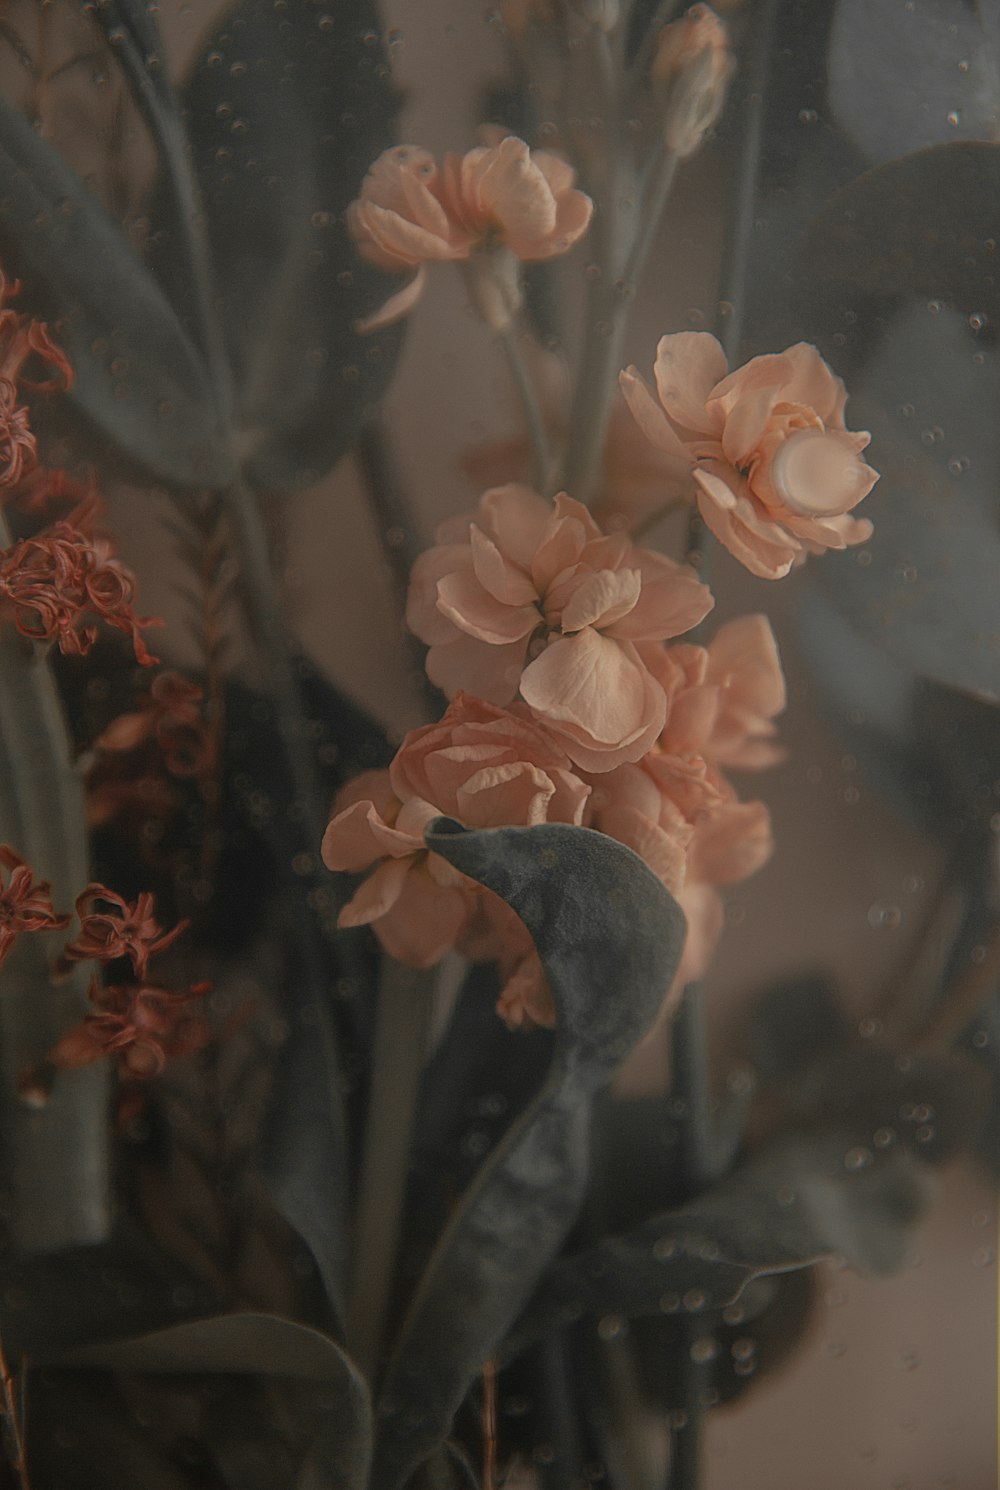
[
  {"x": 318, "y": 1402},
  {"x": 286, "y": 109},
  {"x": 921, "y": 225},
  {"x": 140, "y": 383},
  {"x": 610, "y": 937},
  {"x": 56, "y": 1170},
  {"x": 848, "y": 1178}
]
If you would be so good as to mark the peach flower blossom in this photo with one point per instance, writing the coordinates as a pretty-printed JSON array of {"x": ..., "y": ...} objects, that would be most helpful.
[
  {"x": 694, "y": 61},
  {"x": 525, "y": 599},
  {"x": 500, "y": 196},
  {"x": 479, "y": 764},
  {"x": 776, "y": 472},
  {"x": 722, "y": 699}
]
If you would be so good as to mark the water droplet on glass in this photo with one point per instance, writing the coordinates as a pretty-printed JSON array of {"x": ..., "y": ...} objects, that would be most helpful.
[
  {"x": 857, "y": 1158},
  {"x": 868, "y": 1028},
  {"x": 743, "y": 1348},
  {"x": 958, "y": 465},
  {"x": 881, "y": 917},
  {"x": 835, "y": 1349},
  {"x": 953, "y": 117},
  {"x": 808, "y": 116},
  {"x": 664, "y": 1248},
  {"x": 935, "y": 307},
  {"x": 884, "y": 1138},
  {"x": 694, "y": 1300},
  {"x": 704, "y": 1349},
  {"x": 907, "y": 410},
  {"x": 983, "y": 1258},
  {"x": 612, "y": 1327},
  {"x": 669, "y": 1303},
  {"x": 909, "y": 1361}
]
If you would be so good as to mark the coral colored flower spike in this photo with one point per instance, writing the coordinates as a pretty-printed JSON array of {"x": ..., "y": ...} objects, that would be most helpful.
[{"x": 24, "y": 904}]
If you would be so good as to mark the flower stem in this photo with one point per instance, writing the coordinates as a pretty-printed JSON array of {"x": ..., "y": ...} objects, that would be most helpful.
[
  {"x": 402, "y": 1029},
  {"x": 540, "y": 452}
]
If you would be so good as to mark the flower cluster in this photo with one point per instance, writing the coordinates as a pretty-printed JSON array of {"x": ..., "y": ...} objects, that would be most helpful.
[
  {"x": 23, "y": 341},
  {"x": 142, "y": 1022},
  {"x": 567, "y": 706},
  {"x": 764, "y": 450},
  {"x": 55, "y": 581},
  {"x": 501, "y": 201}
]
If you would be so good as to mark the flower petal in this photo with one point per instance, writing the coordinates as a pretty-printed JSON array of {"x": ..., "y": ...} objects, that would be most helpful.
[
  {"x": 649, "y": 415},
  {"x": 602, "y": 599},
  {"x": 490, "y": 673},
  {"x": 688, "y": 367}
]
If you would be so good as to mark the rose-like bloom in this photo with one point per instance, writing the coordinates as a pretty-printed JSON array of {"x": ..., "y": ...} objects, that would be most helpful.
[
  {"x": 121, "y": 930},
  {"x": 524, "y": 599},
  {"x": 496, "y": 197},
  {"x": 694, "y": 64},
  {"x": 54, "y": 581},
  {"x": 24, "y": 904},
  {"x": 722, "y": 699},
  {"x": 776, "y": 472},
  {"x": 481, "y": 765}
]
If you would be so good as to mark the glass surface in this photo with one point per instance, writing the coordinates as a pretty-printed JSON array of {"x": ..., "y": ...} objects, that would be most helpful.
[{"x": 265, "y": 1179}]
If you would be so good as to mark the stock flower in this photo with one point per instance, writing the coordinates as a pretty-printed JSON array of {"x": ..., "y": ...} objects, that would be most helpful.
[
  {"x": 124, "y": 930},
  {"x": 524, "y": 598},
  {"x": 144, "y": 1024},
  {"x": 495, "y": 197},
  {"x": 775, "y": 471},
  {"x": 479, "y": 764},
  {"x": 56, "y": 580},
  {"x": 693, "y": 64},
  {"x": 24, "y": 904},
  {"x": 722, "y": 699}
]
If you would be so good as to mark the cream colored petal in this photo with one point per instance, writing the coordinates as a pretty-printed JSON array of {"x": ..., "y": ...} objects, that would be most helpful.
[
  {"x": 377, "y": 895},
  {"x": 602, "y": 599},
  {"x": 502, "y": 579},
  {"x": 649, "y": 416},
  {"x": 688, "y": 366},
  {"x": 396, "y": 307},
  {"x": 491, "y": 673},
  {"x": 473, "y": 610}
]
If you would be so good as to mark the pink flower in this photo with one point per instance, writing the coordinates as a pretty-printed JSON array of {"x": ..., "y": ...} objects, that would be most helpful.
[
  {"x": 23, "y": 341},
  {"x": 775, "y": 470},
  {"x": 121, "y": 930},
  {"x": 145, "y": 1025},
  {"x": 55, "y": 581},
  {"x": 524, "y": 599},
  {"x": 501, "y": 196},
  {"x": 480, "y": 764},
  {"x": 722, "y": 700},
  {"x": 693, "y": 60},
  {"x": 24, "y": 904}
]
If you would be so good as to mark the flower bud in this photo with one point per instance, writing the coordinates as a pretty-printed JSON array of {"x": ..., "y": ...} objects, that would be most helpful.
[{"x": 693, "y": 65}]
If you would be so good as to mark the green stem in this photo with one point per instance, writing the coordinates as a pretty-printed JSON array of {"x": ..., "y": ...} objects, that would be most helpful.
[
  {"x": 541, "y": 454},
  {"x": 402, "y": 1029}
]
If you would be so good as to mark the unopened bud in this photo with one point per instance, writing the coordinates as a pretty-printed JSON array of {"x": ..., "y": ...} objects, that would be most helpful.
[
  {"x": 604, "y": 14},
  {"x": 692, "y": 66},
  {"x": 493, "y": 276}
]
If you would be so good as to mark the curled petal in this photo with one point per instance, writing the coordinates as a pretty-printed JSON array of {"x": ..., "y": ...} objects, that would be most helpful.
[
  {"x": 396, "y": 307},
  {"x": 377, "y": 895},
  {"x": 687, "y": 368},
  {"x": 650, "y": 416}
]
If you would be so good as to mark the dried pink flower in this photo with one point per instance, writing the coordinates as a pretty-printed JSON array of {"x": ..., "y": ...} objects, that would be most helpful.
[
  {"x": 57, "y": 579},
  {"x": 694, "y": 65},
  {"x": 496, "y": 197},
  {"x": 479, "y": 764},
  {"x": 144, "y": 1024},
  {"x": 124, "y": 930},
  {"x": 524, "y": 598},
  {"x": 24, "y": 904},
  {"x": 23, "y": 339},
  {"x": 775, "y": 471}
]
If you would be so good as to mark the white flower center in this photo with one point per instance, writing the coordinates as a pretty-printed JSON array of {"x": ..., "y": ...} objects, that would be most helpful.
[{"x": 815, "y": 473}]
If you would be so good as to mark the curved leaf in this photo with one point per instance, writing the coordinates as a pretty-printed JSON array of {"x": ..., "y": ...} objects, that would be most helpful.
[
  {"x": 923, "y": 225},
  {"x": 286, "y": 109},
  {"x": 139, "y": 379},
  {"x": 850, "y": 1178},
  {"x": 330, "y": 1429},
  {"x": 610, "y": 938}
]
